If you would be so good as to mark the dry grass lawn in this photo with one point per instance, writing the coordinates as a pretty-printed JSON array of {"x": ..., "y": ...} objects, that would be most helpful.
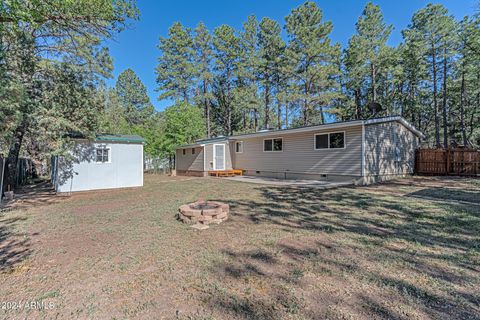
[{"x": 408, "y": 249}]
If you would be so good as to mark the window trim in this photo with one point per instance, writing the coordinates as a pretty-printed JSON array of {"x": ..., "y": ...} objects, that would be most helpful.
[
  {"x": 109, "y": 154},
  {"x": 241, "y": 143},
  {"x": 328, "y": 134},
  {"x": 263, "y": 145}
]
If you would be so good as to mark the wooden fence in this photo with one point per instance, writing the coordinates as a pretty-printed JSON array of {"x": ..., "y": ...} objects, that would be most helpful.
[{"x": 460, "y": 162}]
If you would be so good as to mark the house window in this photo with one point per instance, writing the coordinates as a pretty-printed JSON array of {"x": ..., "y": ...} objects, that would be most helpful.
[
  {"x": 184, "y": 151},
  {"x": 321, "y": 141},
  {"x": 193, "y": 150},
  {"x": 273, "y": 144},
  {"x": 337, "y": 140},
  {"x": 334, "y": 140},
  {"x": 239, "y": 147},
  {"x": 102, "y": 155}
]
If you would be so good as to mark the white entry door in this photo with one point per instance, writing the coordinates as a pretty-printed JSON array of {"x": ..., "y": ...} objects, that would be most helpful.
[{"x": 218, "y": 157}]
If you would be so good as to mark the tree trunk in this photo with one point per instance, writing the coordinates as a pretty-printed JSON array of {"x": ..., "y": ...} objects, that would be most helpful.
[
  {"x": 411, "y": 100},
  {"x": 207, "y": 108},
  {"x": 305, "y": 110},
  {"x": 444, "y": 102},
  {"x": 244, "y": 124},
  {"x": 435, "y": 102},
  {"x": 279, "y": 114},
  {"x": 229, "y": 120},
  {"x": 267, "y": 106},
  {"x": 462, "y": 109},
  {"x": 286, "y": 113},
  {"x": 305, "y": 105},
  {"x": 13, "y": 155},
  {"x": 373, "y": 72},
  {"x": 358, "y": 110}
]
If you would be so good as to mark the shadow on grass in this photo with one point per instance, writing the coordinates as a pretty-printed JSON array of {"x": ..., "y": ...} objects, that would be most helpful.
[
  {"x": 448, "y": 194},
  {"x": 369, "y": 222},
  {"x": 13, "y": 247}
]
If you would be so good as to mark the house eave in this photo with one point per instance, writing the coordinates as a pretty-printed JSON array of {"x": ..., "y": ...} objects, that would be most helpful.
[
  {"x": 399, "y": 119},
  {"x": 299, "y": 130}
]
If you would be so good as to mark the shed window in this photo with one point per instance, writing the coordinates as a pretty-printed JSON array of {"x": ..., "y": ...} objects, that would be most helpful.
[
  {"x": 102, "y": 155},
  {"x": 193, "y": 150},
  {"x": 184, "y": 151},
  {"x": 273, "y": 144},
  {"x": 239, "y": 147},
  {"x": 334, "y": 140}
]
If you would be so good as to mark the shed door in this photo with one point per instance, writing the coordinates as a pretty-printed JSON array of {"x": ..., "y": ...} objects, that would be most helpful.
[{"x": 219, "y": 157}]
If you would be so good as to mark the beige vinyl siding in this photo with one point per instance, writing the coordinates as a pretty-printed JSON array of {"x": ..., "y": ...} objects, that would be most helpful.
[
  {"x": 209, "y": 156},
  {"x": 189, "y": 161},
  {"x": 381, "y": 142},
  {"x": 299, "y": 156}
]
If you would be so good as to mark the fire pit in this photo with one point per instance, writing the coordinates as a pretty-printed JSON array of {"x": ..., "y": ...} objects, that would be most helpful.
[{"x": 204, "y": 212}]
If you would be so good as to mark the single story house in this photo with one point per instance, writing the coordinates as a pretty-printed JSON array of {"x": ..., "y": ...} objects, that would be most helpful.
[
  {"x": 109, "y": 161},
  {"x": 361, "y": 151}
]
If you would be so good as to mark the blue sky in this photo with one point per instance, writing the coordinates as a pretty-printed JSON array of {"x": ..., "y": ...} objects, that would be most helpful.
[{"x": 136, "y": 48}]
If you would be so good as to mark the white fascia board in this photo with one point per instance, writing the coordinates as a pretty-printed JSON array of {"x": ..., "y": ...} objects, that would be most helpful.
[{"x": 399, "y": 119}]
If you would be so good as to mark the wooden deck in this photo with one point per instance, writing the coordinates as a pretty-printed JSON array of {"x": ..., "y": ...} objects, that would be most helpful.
[{"x": 226, "y": 173}]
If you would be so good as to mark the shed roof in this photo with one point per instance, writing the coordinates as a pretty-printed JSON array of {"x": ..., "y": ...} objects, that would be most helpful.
[{"x": 119, "y": 137}]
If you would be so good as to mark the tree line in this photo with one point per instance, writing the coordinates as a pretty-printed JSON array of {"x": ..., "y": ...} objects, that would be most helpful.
[
  {"x": 54, "y": 62},
  {"x": 271, "y": 76}
]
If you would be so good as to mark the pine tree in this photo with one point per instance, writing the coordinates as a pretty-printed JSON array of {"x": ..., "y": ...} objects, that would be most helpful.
[
  {"x": 468, "y": 75},
  {"x": 176, "y": 70},
  {"x": 313, "y": 57},
  {"x": 246, "y": 91},
  {"x": 204, "y": 55},
  {"x": 431, "y": 27},
  {"x": 227, "y": 54},
  {"x": 64, "y": 32},
  {"x": 271, "y": 52},
  {"x": 133, "y": 97},
  {"x": 414, "y": 72},
  {"x": 366, "y": 55}
]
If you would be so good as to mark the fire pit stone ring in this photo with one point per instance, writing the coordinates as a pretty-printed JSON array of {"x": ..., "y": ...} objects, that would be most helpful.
[{"x": 204, "y": 212}]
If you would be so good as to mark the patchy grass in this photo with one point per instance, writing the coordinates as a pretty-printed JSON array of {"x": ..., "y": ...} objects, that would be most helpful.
[{"x": 372, "y": 252}]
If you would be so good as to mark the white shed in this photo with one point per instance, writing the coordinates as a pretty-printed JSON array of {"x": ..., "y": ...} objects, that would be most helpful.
[{"x": 110, "y": 161}]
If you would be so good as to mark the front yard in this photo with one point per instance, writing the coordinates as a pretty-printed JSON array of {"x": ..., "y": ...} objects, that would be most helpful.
[{"x": 408, "y": 249}]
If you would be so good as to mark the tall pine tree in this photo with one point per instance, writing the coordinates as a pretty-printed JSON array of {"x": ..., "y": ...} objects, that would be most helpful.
[
  {"x": 366, "y": 55},
  {"x": 176, "y": 70},
  {"x": 132, "y": 96},
  {"x": 313, "y": 58}
]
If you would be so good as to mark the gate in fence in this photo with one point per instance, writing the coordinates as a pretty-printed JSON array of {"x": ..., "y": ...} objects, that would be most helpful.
[{"x": 460, "y": 162}]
